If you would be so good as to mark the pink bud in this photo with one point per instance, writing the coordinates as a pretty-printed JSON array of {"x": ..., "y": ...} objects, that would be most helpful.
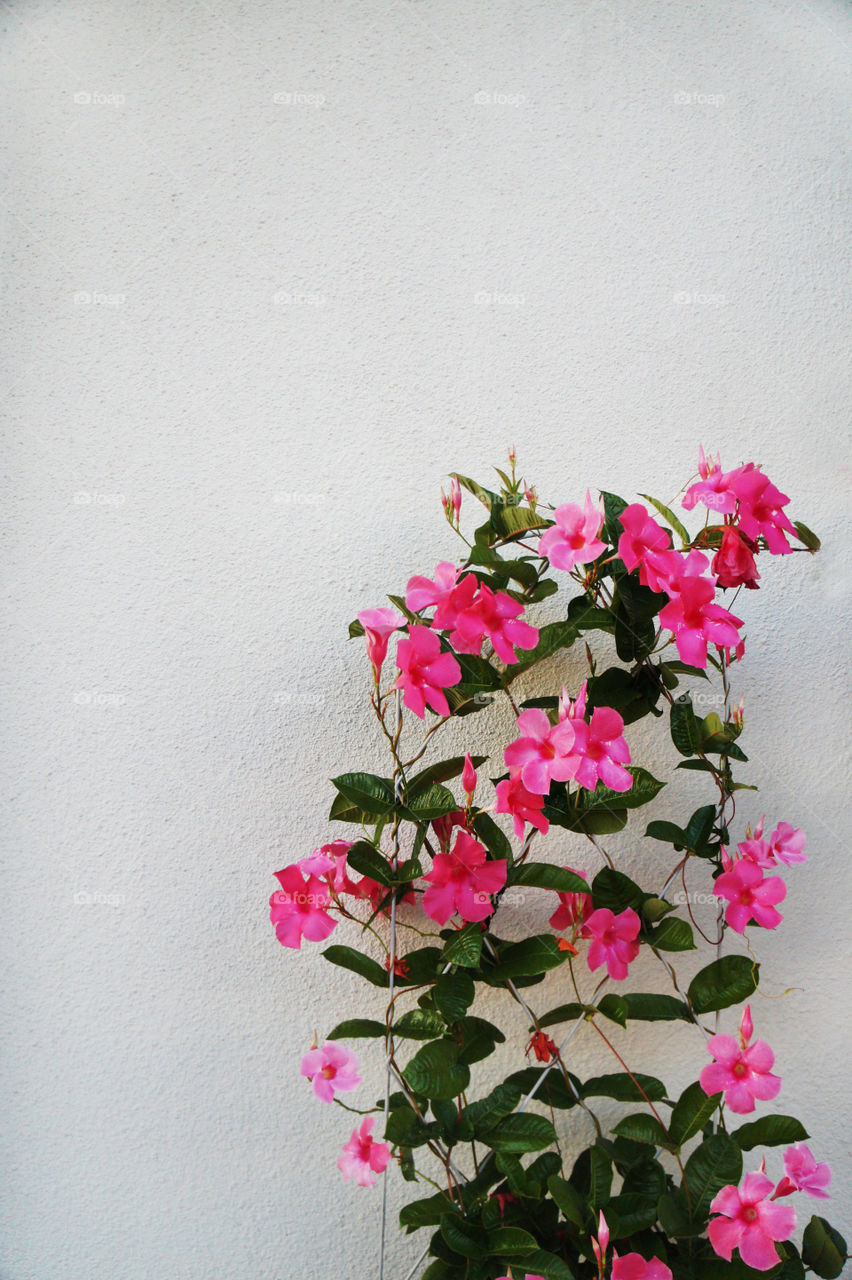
[
  {"x": 456, "y": 497},
  {"x": 468, "y": 778},
  {"x": 512, "y": 455},
  {"x": 746, "y": 1026},
  {"x": 758, "y": 831},
  {"x": 564, "y": 704},
  {"x": 601, "y": 1244},
  {"x": 785, "y": 1188},
  {"x": 727, "y": 860}
]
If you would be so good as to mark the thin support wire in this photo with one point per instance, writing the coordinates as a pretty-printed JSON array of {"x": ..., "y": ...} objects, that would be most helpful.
[{"x": 391, "y": 975}]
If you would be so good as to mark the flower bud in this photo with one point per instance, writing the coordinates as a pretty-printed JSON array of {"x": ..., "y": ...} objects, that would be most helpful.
[{"x": 469, "y": 778}]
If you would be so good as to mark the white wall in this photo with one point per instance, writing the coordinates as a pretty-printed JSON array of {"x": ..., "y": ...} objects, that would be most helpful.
[{"x": 175, "y": 623}]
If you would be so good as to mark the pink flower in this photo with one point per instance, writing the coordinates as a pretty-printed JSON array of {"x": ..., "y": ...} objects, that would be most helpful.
[
  {"x": 456, "y": 497},
  {"x": 599, "y": 751},
  {"x": 804, "y": 1174},
  {"x": 573, "y": 909},
  {"x": 632, "y": 1266},
  {"x": 497, "y": 617},
  {"x": 659, "y": 567},
  {"x": 363, "y": 1157},
  {"x": 692, "y": 614},
  {"x": 524, "y": 806},
  {"x": 787, "y": 844},
  {"x": 298, "y": 908},
  {"x": 574, "y": 537},
  {"x": 641, "y": 535},
  {"x": 714, "y": 488},
  {"x": 446, "y": 593},
  {"x": 332, "y": 1069},
  {"x": 424, "y": 672},
  {"x": 759, "y": 510},
  {"x": 463, "y": 881},
  {"x": 615, "y": 940},
  {"x": 540, "y": 754},
  {"x": 378, "y": 626},
  {"x": 468, "y": 779},
  {"x": 733, "y": 564},
  {"x": 741, "y": 1071},
  {"x": 750, "y": 1223},
  {"x": 443, "y": 827},
  {"x": 600, "y": 1244},
  {"x": 751, "y": 896}
]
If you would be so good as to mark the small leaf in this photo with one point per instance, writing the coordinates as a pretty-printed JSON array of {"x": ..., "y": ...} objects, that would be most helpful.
[
  {"x": 691, "y": 1112},
  {"x": 614, "y": 1007},
  {"x": 533, "y": 955},
  {"x": 651, "y": 1007},
  {"x": 807, "y": 536},
  {"x": 823, "y": 1248},
  {"x": 367, "y": 861},
  {"x": 420, "y": 1024},
  {"x": 722, "y": 983},
  {"x": 357, "y": 1029},
  {"x": 642, "y": 1127},
  {"x": 349, "y": 958},
  {"x": 464, "y": 1237},
  {"x": 511, "y": 1240},
  {"x": 569, "y": 1200},
  {"x": 685, "y": 727}
]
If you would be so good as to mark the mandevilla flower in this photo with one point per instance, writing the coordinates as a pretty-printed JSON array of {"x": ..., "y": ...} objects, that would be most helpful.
[
  {"x": 750, "y": 1222},
  {"x": 424, "y": 672},
  {"x": 641, "y": 535},
  {"x": 363, "y": 1157},
  {"x": 573, "y": 909},
  {"x": 733, "y": 564},
  {"x": 495, "y": 615},
  {"x": 463, "y": 881},
  {"x": 741, "y": 1071},
  {"x": 692, "y": 614},
  {"x": 787, "y": 844},
  {"x": 298, "y": 908},
  {"x": 632, "y": 1266},
  {"x": 759, "y": 511},
  {"x": 802, "y": 1173},
  {"x": 574, "y": 537},
  {"x": 614, "y": 940},
  {"x": 750, "y": 895},
  {"x": 543, "y": 1047},
  {"x": 524, "y": 805},
  {"x": 445, "y": 592},
  {"x": 332, "y": 1069},
  {"x": 540, "y": 754},
  {"x": 599, "y": 751},
  {"x": 379, "y": 625},
  {"x": 714, "y": 488}
]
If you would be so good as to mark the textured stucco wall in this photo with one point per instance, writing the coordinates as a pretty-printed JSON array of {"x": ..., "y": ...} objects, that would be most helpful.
[{"x": 248, "y": 245}]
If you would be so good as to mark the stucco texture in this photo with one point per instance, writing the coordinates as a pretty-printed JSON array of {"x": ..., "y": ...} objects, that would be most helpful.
[{"x": 272, "y": 270}]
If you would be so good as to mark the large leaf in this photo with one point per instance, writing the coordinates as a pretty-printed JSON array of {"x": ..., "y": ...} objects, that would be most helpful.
[
  {"x": 435, "y": 1071},
  {"x": 511, "y": 1240},
  {"x": 592, "y": 1175},
  {"x": 643, "y": 1127},
  {"x": 453, "y": 995},
  {"x": 366, "y": 792},
  {"x": 349, "y": 958},
  {"x": 565, "y": 1013},
  {"x": 716, "y": 1163},
  {"x": 420, "y": 1024},
  {"x": 643, "y": 790},
  {"x": 722, "y": 983},
  {"x": 651, "y": 1007},
  {"x": 464, "y": 946},
  {"x": 628, "y": 1213},
  {"x": 367, "y": 861},
  {"x": 685, "y": 727},
  {"x": 433, "y": 802},
  {"x": 517, "y": 1134},
  {"x": 500, "y": 1102},
  {"x": 442, "y": 771},
  {"x": 464, "y": 1237},
  {"x": 476, "y": 1038},
  {"x": 615, "y": 890},
  {"x": 494, "y": 839},
  {"x": 356, "y": 1029},
  {"x": 533, "y": 955},
  {"x": 543, "y": 875},
  {"x": 426, "y": 1212},
  {"x": 823, "y": 1248},
  {"x": 770, "y": 1131},
  {"x": 691, "y": 1112},
  {"x": 672, "y": 934},
  {"x": 624, "y": 1087}
]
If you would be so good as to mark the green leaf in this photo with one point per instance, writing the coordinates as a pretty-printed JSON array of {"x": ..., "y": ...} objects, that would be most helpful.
[
  {"x": 592, "y": 1175},
  {"x": 517, "y": 1134},
  {"x": 823, "y": 1248},
  {"x": 651, "y": 1007},
  {"x": 442, "y": 771},
  {"x": 643, "y": 790},
  {"x": 464, "y": 1237},
  {"x": 569, "y": 1200},
  {"x": 769, "y": 1131},
  {"x": 552, "y": 637},
  {"x": 672, "y": 934},
  {"x": 533, "y": 955},
  {"x": 431, "y": 803},
  {"x": 691, "y": 1112},
  {"x": 716, "y": 1163},
  {"x": 615, "y": 890},
  {"x": 464, "y": 947},
  {"x": 674, "y": 1219},
  {"x": 508, "y": 520},
  {"x": 613, "y": 1007},
  {"x": 807, "y": 536},
  {"x": 685, "y": 727},
  {"x": 543, "y": 1264},
  {"x": 654, "y": 909},
  {"x": 404, "y": 1128},
  {"x": 366, "y": 792},
  {"x": 435, "y": 1071},
  {"x": 668, "y": 832},
  {"x": 511, "y": 1240},
  {"x": 566, "y": 1013},
  {"x": 349, "y": 958},
  {"x": 426, "y": 1212},
  {"x": 723, "y": 982},
  {"x": 485, "y": 1113},
  {"x": 634, "y": 637},
  {"x": 668, "y": 516},
  {"x": 613, "y": 507},
  {"x": 624, "y": 1088},
  {"x": 367, "y": 861},
  {"x": 495, "y": 841},
  {"x": 419, "y": 1024},
  {"x": 422, "y": 965},
  {"x": 357, "y": 1029},
  {"x": 642, "y": 1127},
  {"x": 477, "y": 1038},
  {"x": 550, "y": 1086},
  {"x": 627, "y": 1213},
  {"x": 453, "y": 995},
  {"x": 543, "y": 875}
]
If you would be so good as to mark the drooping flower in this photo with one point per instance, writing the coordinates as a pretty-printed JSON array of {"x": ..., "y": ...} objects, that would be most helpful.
[
  {"x": 456, "y": 497},
  {"x": 614, "y": 940},
  {"x": 742, "y": 1071},
  {"x": 573, "y": 909},
  {"x": 599, "y": 751},
  {"x": 497, "y": 616},
  {"x": 632, "y": 1266},
  {"x": 759, "y": 509},
  {"x": 298, "y": 908},
  {"x": 445, "y": 592},
  {"x": 424, "y": 672},
  {"x": 463, "y": 881},
  {"x": 751, "y": 895},
  {"x": 540, "y": 754},
  {"x": 468, "y": 779},
  {"x": 543, "y": 1047},
  {"x": 445, "y": 825},
  {"x": 363, "y": 1157},
  {"x": 641, "y": 535},
  {"x": 714, "y": 488},
  {"x": 379, "y": 625},
  {"x": 733, "y": 564},
  {"x": 692, "y": 614},
  {"x": 803, "y": 1173},
  {"x": 332, "y": 1069},
  {"x": 787, "y": 844},
  {"x": 573, "y": 539},
  {"x": 750, "y": 1222},
  {"x": 524, "y": 805}
]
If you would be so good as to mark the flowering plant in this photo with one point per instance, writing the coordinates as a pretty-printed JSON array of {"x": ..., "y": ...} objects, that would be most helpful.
[{"x": 674, "y": 1187}]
